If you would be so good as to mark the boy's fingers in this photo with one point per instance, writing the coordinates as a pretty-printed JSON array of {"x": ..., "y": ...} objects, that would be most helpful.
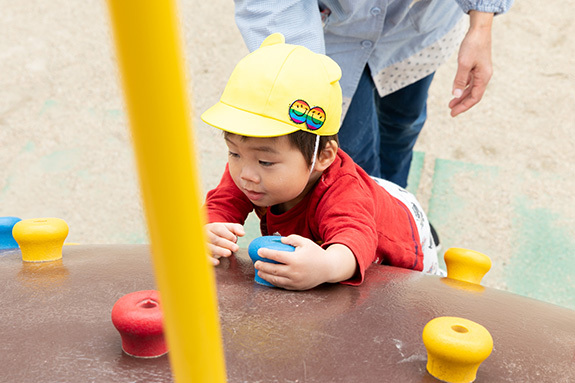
[
  {"x": 225, "y": 233},
  {"x": 222, "y": 237},
  {"x": 230, "y": 245},
  {"x": 229, "y": 231},
  {"x": 275, "y": 255},
  {"x": 213, "y": 261},
  {"x": 277, "y": 269},
  {"x": 218, "y": 251},
  {"x": 235, "y": 229},
  {"x": 271, "y": 269},
  {"x": 294, "y": 240},
  {"x": 239, "y": 230},
  {"x": 276, "y": 280}
]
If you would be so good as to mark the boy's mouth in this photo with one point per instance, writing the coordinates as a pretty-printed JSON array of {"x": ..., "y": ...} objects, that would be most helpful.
[{"x": 252, "y": 195}]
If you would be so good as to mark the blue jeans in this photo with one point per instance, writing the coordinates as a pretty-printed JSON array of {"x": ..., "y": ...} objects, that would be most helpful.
[{"x": 379, "y": 132}]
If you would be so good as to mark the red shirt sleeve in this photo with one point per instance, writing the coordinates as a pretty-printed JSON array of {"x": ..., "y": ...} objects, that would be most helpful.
[
  {"x": 353, "y": 210},
  {"x": 227, "y": 203},
  {"x": 346, "y": 215}
]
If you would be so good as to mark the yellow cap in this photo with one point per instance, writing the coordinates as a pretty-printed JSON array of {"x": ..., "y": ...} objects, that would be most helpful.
[{"x": 277, "y": 89}]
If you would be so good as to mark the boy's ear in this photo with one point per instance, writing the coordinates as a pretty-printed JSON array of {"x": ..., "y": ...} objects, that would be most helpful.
[{"x": 326, "y": 156}]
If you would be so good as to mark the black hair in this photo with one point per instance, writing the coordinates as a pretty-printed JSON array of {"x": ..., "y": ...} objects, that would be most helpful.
[{"x": 304, "y": 142}]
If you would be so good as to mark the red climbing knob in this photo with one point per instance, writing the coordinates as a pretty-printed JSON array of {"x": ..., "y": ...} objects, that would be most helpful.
[{"x": 138, "y": 317}]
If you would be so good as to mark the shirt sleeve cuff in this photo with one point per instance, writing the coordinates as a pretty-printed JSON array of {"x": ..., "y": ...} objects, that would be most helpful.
[{"x": 495, "y": 7}]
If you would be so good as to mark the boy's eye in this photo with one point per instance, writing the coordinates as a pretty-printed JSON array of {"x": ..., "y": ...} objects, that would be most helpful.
[
  {"x": 266, "y": 163},
  {"x": 233, "y": 155}
]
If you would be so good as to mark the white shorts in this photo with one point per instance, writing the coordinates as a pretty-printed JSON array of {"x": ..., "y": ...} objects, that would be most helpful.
[{"x": 430, "y": 262}]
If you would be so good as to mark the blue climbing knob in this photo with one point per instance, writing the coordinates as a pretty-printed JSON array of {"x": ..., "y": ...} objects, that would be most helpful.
[
  {"x": 7, "y": 240},
  {"x": 270, "y": 242}
]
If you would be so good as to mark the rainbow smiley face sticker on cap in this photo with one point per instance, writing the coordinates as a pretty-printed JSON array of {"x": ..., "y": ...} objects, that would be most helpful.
[
  {"x": 315, "y": 118},
  {"x": 298, "y": 111}
]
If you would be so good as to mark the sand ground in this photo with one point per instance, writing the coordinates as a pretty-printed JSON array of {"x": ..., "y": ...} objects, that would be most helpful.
[{"x": 497, "y": 179}]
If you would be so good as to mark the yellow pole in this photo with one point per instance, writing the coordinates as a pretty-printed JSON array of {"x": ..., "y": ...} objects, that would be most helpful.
[{"x": 149, "y": 52}]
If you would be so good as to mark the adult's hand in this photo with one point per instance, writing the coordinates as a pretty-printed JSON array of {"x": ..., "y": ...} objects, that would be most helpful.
[{"x": 474, "y": 66}]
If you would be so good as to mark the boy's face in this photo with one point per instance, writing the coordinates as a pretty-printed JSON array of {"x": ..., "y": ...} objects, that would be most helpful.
[{"x": 269, "y": 171}]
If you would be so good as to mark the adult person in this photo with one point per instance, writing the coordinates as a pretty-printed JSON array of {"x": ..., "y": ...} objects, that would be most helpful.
[{"x": 389, "y": 51}]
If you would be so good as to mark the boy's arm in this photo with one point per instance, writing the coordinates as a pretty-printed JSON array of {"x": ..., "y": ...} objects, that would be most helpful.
[
  {"x": 370, "y": 222},
  {"x": 343, "y": 263}
]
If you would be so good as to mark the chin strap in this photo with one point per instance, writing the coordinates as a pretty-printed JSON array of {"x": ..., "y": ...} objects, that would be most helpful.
[{"x": 314, "y": 153}]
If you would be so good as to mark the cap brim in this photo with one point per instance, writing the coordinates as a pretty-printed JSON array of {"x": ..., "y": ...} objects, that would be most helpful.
[{"x": 237, "y": 121}]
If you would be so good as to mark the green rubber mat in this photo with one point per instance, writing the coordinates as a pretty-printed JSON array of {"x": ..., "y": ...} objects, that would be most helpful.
[{"x": 524, "y": 222}]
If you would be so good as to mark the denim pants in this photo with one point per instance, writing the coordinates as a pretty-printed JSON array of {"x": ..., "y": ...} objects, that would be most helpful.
[{"x": 379, "y": 132}]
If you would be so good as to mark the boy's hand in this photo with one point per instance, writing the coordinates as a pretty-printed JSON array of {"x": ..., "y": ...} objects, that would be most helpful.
[
  {"x": 308, "y": 266},
  {"x": 222, "y": 238}
]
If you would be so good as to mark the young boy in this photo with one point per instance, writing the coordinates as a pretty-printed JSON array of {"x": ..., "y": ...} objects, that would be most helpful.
[{"x": 280, "y": 113}]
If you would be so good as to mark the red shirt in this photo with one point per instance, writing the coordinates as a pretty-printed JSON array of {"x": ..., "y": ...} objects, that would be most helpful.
[{"x": 346, "y": 206}]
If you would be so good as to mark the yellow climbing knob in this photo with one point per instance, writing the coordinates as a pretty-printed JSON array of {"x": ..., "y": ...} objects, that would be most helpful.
[
  {"x": 466, "y": 265},
  {"x": 40, "y": 239},
  {"x": 455, "y": 348}
]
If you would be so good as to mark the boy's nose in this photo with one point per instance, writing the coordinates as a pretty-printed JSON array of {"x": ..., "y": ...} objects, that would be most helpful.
[{"x": 249, "y": 175}]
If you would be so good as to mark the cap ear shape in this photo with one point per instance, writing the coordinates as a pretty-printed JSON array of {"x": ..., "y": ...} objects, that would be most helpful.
[
  {"x": 332, "y": 69},
  {"x": 273, "y": 39}
]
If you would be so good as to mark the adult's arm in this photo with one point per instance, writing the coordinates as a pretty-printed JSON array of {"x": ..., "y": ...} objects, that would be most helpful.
[
  {"x": 298, "y": 20},
  {"x": 474, "y": 63}
]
